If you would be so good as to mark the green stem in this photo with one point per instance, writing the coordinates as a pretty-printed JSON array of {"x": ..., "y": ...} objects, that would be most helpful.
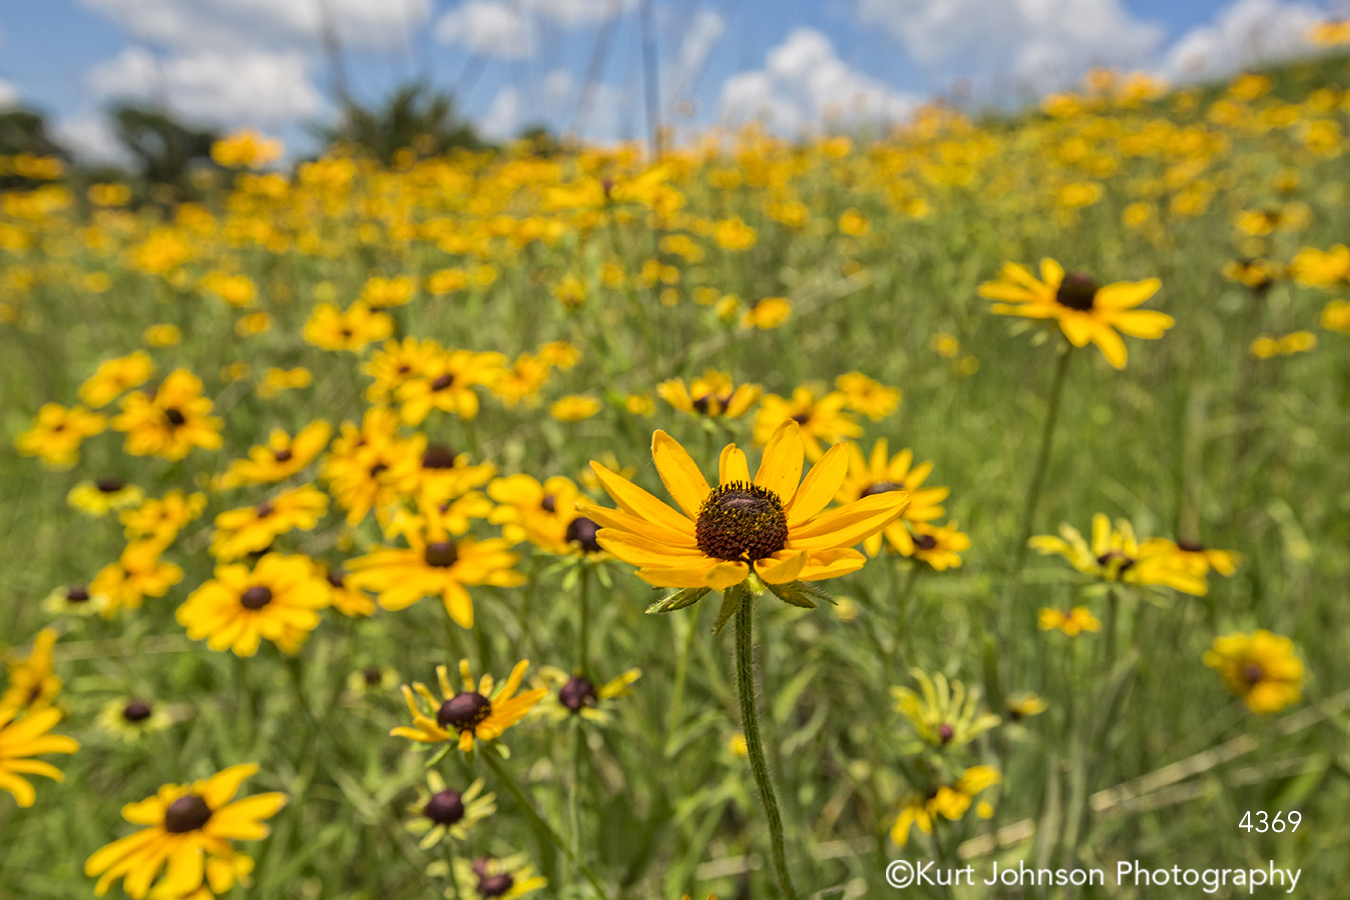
[
  {"x": 583, "y": 661},
  {"x": 574, "y": 799},
  {"x": 1112, "y": 617},
  {"x": 681, "y": 676},
  {"x": 745, "y": 680},
  {"x": 1043, "y": 456},
  {"x": 488, "y": 755},
  {"x": 454, "y": 876},
  {"x": 901, "y": 621}
]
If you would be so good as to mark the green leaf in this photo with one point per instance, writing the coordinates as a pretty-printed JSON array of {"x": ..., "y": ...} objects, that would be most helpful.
[
  {"x": 440, "y": 754},
  {"x": 732, "y": 598},
  {"x": 678, "y": 600}
]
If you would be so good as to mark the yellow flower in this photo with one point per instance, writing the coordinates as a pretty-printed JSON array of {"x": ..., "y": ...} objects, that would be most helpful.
[
  {"x": 489, "y": 878},
  {"x": 282, "y": 457},
  {"x": 640, "y": 405},
  {"x": 712, "y": 395},
  {"x": 1084, "y": 311},
  {"x": 570, "y": 291},
  {"x": 278, "y": 600},
  {"x": 346, "y": 600},
  {"x": 236, "y": 290},
  {"x": 1330, "y": 33},
  {"x": 360, "y": 463},
  {"x": 137, "y": 574},
  {"x": 881, "y": 473},
  {"x": 1336, "y": 316},
  {"x": 447, "y": 281},
  {"x": 247, "y": 147},
  {"x": 278, "y": 380},
  {"x": 1025, "y": 705},
  {"x": 1265, "y": 346},
  {"x": 1194, "y": 556},
  {"x": 380, "y": 293},
  {"x": 853, "y": 223},
  {"x": 73, "y": 600},
  {"x": 251, "y": 324},
  {"x": 115, "y": 376},
  {"x": 446, "y": 383},
  {"x": 186, "y": 823},
  {"x": 98, "y": 498},
  {"x": 1074, "y": 196},
  {"x": 472, "y": 714},
  {"x": 162, "y": 519},
  {"x": 253, "y": 528},
  {"x": 351, "y": 330},
  {"x": 939, "y": 547},
  {"x": 169, "y": 421},
  {"x": 130, "y": 718},
  {"x": 949, "y": 801},
  {"x": 440, "y": 812},
  {"x": 867, "y": 396},
  {"x": 163, "y": 335},
  {"x": 1116, "y": 555},
  {"x": 1319, "y": 268},
  {"x": 577, "y": 695},
  {"x": 1257, "y": 274},
  {"x": 945, "y": 715},
  {"x": 434, "y": 565},
  {"x": 771, "y": 526},
  {"x": 397, "y": 363},
  {"x": 235, "y": 371},
  {"x": 1071, "y": 622},
  {"x": 560, "y": 354},
  {"x": 734, "y": 234},
  {"x": 1260, "y": 667},
  {"x": 23, "y": 736},
  {"x": 433, "y": 475},
  {"x": 164, "y": 250},
  {"x": 767, "y": 313},
  {"x": 57, "y": 434},
  {"x": 574, "y": 408},
  {"x": 543, "y": 514},
  {"x": 32, "y": 683},
  {"x": 820, "y": 420}
]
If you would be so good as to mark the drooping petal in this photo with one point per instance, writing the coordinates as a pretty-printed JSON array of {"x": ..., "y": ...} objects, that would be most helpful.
[
  {"x": 1052, "y": 273},
  {"x": 1112, "y": 347}
]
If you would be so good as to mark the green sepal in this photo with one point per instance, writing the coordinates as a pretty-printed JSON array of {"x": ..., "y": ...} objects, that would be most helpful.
[
  {"x": 732, "y": 598},
  {"x": 440, "y": 754},
  {"x": 501, "y": 749},
  {"x": 678, "y": 600},
  {"x": 791, "y": 593}
]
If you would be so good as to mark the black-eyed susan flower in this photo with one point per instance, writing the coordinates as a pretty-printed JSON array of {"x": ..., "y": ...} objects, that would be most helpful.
[
  {"x": 490, "y": 878},
  {"x": 221, "y": 874},
  {"x": 433, "y": 474},
  {"x": 439, "y": 812},
  {"x": 944, "y": 714},
  {"x": 577, "y": 695},
  {"x": 240, "y": 532},
  {"x": 822, "y": 420},
  {"x": 475, "y": 713},
  {"x": 380, "y": 292},
  {"x": 939, "y": 547},
  {"x": 279, "y": 599},
  {"x": 372, "y": 679},
  {"x": 131, "y": 718},
  {"x": 358, "y": 464},
  {"x": 867, "y": 395},
  {"x": 1194, "y": 556},
  {"x": 162, "y": 518},
  {"x": 1115, "y": 555},
  {"x": 184, "y": 823},
  {"x": 169, "y": 421},
  {"x": 951, "y": 801},
  {"x": 73, "y": 600},
  {"x": 162, "y": 335},
  {"x": 397, "y": 363},
  {"x": 24, "y": 735},
  {"x": 574, "y": 408},
  {"x": 447, "y": 383},
  {"x": 332, "y": 329},
  {"x": 57, "y": 434},
  {"x": 1083, "y": 310},
  {"x": 33, "y": 684},
  {"x": 280, "y": 458},
  {"x": 115, "y": 377},
  {"x": 562, "y": 354},
  {"x": 1072, "y": 622},
  {"x": 236, "y": 290},
  {"x": 543, "y": 514},
  {"x": 98, "y": 498},
  {"x": 246, "y": 147},
  {"x": 138, "y": 573},
  {"x": 345, "y": 599},
  {"x": 1260, "y": 667},
  {"x": 880, "y": 473},
  {"x": 767, "y": 313},
  {"x": 771, "y": 527},
  {"x": 713, "y": 395},
  {"x": 1336, "y": 316},
  {"x": 522, "y": 380},
  {"x": 434, "y": 565},
  {"x": 1025, "y": 705},
  {"x": 1257, "y": 274}
]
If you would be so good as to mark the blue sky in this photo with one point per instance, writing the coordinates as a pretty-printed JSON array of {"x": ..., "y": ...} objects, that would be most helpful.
[{"x": 517, "y": 62}]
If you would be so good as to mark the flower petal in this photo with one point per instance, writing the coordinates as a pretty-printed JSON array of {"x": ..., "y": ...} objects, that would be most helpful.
[
  {"x": 635, "y": 501},
  {"x": 679, "y": 474},
  {"x": 780, "y": 469},
  {"x": 821, "y": 484},
  {"x": 731, "y": 466}
]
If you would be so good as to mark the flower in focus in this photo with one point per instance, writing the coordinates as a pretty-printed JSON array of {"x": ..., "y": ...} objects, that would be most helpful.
[
  {"x": 951, "y": 801},
  {"x": 23, "y": 736},
  {"x": 1083, "y": 310},
  {"x": 169, "y": 421},
  {"x": 252, "y": 529},
  {"x": 114, "y": 377},
  {"x": 945, "y": 715},
  {"x": 186, "y": 823},
  {"x": 33, "y": 684},
  {"x": 137, "y": 574},
  {"x": 1260, "y": 667},
  {"x": 868, "y": 396},
  {"x": 332, "y": 329},
  {"x": 278, "y": 600},
  {"x": 130, "y": 718},
  {"x": 577, "y": 695},
  {"x": 1115, "y": 555},
  {"x": 280, "y": 458},
  {"x": 820, "y": 420},
  {"x": 440, "y": 812},
  {"x": 472, "y": 714},
  {"x": 772, "y": 526},
  {"x": 1072, "y": 622},
  {"x": 574, "y": 408},
  {"x": 98, "y": 498},
  {"x": 543, "y": 514},
  {"x": 881, "y": 473},
  {"x": 56, "y": 436},
  {"x": 163, "y": 518}
]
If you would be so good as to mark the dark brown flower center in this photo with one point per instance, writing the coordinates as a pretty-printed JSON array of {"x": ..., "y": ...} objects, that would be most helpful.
[
  {"x": 438, "y": 456},
  {"x": 283, "y": 455},
  {"x": 255, "y": 597},
  {"x": 175, "y": 417},
  {"x": 705, "y": 403},
  {"x": 925, "y": 541},
  {"x": 945, "y": 732},
  {"x": 464, "y": 712},
  {"x": 109, "y": 485},
  {"x": 1115, "y": 556},
  {"x": 335, "y": 577},
  {"x": 371, "y": 676},
  {"x": 577, "y": 693},
  {"x": 1190, "y": 546},
  {"x": 1253, "y": 673},
  {"x": 188, "y": 813},
  {"x": 136, "y": 711},
  {"x": 77, "y": 593},
  {"x": 582, "y": 531},
  {"x": 495, "y": 885},
  {"x": 549, "y": 503},
  {"x": 802, "y": 418},
  {"x": 880, "y": 487},
  {"x": 1077, "y": 291},
  {"x": 444, "y": 808},
  {"x": 443, "y": 382},
  {"x": 263, "y": 510},
  {"x": 441, "y": 554},
  {"x": 376, "y": 469},
  {"x": 741, "y": 521}
]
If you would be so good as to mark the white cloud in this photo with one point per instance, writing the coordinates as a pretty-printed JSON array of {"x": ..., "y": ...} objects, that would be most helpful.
[
  {"x": 702, "y": 35},
  {"x": 90, "y": 136},
  {"x": 1042, "y": 43},
  {"x": 9, "y": 94},
  {"x": 804, "y": 83},
  {"x": 220, "y": 24},
  {"x": 245, "y": 87},
  {"x": 489, "y": 27},
  {"x": 1246, "y": 34},
  {"x": 503, "y": 118},
  {"x": 572, "y": 13},
  {"x": 558, "y": 87}
]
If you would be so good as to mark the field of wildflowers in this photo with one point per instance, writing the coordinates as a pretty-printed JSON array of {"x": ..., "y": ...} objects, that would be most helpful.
[{"x": 602, "y": 527}]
